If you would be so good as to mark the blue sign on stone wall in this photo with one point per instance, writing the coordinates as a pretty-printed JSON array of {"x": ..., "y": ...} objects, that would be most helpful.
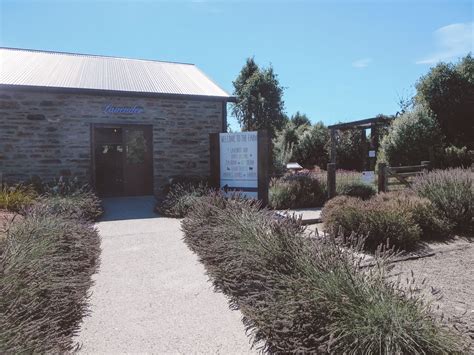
[{"x": 124, "y": 109}]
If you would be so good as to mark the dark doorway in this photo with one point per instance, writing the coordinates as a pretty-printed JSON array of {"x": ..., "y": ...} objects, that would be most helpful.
[{"x": 123, "y": 160}]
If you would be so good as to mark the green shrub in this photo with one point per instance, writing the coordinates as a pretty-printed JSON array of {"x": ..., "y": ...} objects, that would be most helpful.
[
  {"x": 78, "y": 205},
  {"x": 307, "y": 295},
  {"x": 349, "y": 154},
  {"x": 447, "y": 89},
  {"x": 297, "y": 191},
  {"x": 186, "y": 181},
  {"x": 400, "y": 217},
  {"x": 413, "y": 137},
  {"x": 356, "y": 189},
  {"x": 452, "y": 193},
  {"x": 455, "y": 157},
  {"x": 45, "y": 274},
  {"x": 312, "y": 147},
  {"x": 180, "y": 198},
  {"x": 15, "y": 198},
  {"x": 374, "y": 220},
  {"x": 425, "y": 214}
]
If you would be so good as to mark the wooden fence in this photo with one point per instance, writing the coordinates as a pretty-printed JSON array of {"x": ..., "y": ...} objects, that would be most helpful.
[
  {"x": 388, "y": 177},
  {"x": 399, "y": 176}
]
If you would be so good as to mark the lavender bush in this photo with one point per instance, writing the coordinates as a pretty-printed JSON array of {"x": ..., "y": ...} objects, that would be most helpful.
[
  {"x": 45, "y": 274},
  {"x": 297, "y": 191},
  {"x": 452, "y": 193},
  {"x": 306, "y": 294}
]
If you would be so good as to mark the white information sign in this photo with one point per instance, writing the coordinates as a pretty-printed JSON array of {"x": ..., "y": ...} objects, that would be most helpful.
[
  {"x": 238, "y": 162},
  {"x": 368, "y": 177},
  {"x": 371, "y": 153}
]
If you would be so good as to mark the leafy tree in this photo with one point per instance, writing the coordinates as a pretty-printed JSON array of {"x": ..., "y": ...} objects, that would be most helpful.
[
  {"x": 259, "y": 99},
  {"x": 283, "y": 145},
  {"x": 312, "y": 148},
  {"x": 412, "y": 137},
  {"x": 349, "y": 155},
  {"x": 300, "y": 119},
  {"x": 448, "y": 91},
  {"x": 249, "y": 69},
  {"x": 305, "y": 144}
]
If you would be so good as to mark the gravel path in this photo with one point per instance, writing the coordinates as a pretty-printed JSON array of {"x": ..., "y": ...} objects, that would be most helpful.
[
  {"x": 449, "y": 274},
  {"x": 151, "y": 293}
]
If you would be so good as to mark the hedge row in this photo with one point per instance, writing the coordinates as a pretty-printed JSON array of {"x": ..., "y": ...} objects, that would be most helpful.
[
  {"x": 397, "y": 219},
  {"x": 440, "y": 203},
  {"x": 299, "y": 294},
  {"x": 310, "y": 190},
  {"x": 47, "y": 261}
]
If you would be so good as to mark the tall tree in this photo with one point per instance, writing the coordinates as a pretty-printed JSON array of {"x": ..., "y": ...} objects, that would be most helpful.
[
  {"x": 259, "y": 99},
  {"x": 348, "y": 151},
  {"x": 300, "y": 119},
  {"x": 249, "y": 69},
  {"x": 312, "y": 148},
  {"x": 448, "y": 91}
]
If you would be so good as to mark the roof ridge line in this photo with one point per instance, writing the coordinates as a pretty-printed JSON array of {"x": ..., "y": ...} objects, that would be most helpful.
[{"x": 93, "y": 55}]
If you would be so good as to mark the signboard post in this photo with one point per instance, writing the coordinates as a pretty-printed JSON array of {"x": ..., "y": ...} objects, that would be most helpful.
[{"x": 240, "y": 162}]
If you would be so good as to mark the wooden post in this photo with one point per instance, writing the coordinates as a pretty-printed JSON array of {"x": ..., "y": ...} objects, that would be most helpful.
[
  {"x": 382, "y": 177},
  {"x": 215, "y": 160},
  {"x": 333, "y": 146},
  {"x": 264, "y": 161},
  {"x": 331, "y": 180},
  {"x": 426, "y": 165},
  {"x": 363, "y": 148}
]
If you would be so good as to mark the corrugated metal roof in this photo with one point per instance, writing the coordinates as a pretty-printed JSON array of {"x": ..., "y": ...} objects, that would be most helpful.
[{"x": 68, "y": 70}]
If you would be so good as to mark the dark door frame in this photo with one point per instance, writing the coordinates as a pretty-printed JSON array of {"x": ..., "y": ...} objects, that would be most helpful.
[{"x": 121, "y": 125}]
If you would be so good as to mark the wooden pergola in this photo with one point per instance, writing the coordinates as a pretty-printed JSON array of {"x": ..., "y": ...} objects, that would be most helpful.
[{"x": 370, "y": 123}]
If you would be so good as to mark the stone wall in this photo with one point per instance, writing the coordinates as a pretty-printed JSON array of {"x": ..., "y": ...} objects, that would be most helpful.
[{"x": 49, "y": 134}]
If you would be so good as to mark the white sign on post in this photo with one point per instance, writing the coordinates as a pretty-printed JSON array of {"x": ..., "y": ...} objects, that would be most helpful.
[
  {"x": 368, "y": 177},
  {"x": 239, "y": 162}
]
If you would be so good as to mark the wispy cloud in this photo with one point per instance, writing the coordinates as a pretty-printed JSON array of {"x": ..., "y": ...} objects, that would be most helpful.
[
  {"x": 451, "y": 41},
  {"x": 362, "y": 63}
]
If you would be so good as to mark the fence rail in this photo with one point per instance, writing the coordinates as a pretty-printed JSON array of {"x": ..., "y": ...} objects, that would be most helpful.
[{"x": 401, "y": 175}]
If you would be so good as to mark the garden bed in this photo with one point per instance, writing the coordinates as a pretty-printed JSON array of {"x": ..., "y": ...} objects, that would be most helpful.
[
  {"x": 443, "y": 273},
  {"x": 49, "y": 251},
  {"x": 306, "y": 295}
]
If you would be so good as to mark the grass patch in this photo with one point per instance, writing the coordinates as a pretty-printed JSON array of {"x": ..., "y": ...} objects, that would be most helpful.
[{"x": 17, "y": 197}]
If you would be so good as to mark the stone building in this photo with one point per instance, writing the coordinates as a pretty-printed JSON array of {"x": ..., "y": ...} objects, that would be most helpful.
[{"x": 125, "y": 125}]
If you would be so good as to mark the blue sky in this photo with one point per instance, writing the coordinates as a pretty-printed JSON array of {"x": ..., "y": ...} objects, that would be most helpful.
[{"x": 338, "y": 60}]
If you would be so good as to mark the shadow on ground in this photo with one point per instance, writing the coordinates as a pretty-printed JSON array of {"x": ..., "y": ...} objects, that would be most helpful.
[{"x": 123, "y": 208}]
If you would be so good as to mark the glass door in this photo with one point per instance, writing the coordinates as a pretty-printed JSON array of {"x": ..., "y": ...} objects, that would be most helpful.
[
  {"x": 123, "y": 160},
  {"x": 109, "y": 153},
  {"x": 138, "y": 174}
]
